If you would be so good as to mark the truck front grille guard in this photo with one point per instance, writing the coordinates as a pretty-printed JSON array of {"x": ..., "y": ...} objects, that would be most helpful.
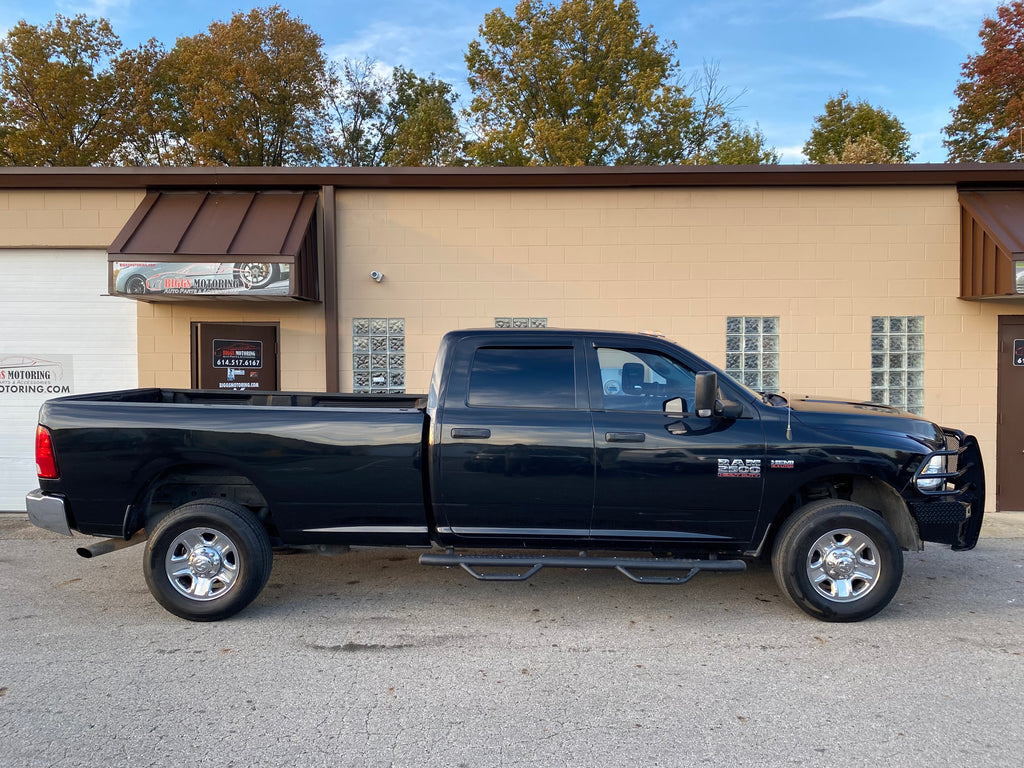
[
  {"x": 962, "y": 460},
  {"x": 964, "y": 479}
]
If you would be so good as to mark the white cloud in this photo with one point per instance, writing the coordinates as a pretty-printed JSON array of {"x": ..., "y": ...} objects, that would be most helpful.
[
  {"x": 947, "y": 16},
  {"x": 43, "y": 13},
  {"x": 94, "y": 8},
  {"x": 392, "y": 44},
  {"x": 791, "y": 155}
]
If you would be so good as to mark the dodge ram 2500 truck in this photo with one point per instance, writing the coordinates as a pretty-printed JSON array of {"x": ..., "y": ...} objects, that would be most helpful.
[{"x": 625, "y": 451}]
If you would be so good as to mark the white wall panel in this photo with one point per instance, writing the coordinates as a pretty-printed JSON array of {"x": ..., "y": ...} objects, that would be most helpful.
[{"x": 53, "y": 309}]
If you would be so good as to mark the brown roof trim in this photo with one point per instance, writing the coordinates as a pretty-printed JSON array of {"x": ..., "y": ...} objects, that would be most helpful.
[{"x": 964, "y": 174}]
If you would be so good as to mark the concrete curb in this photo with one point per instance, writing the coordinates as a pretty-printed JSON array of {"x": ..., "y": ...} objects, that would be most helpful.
[{"x": 1003, "y": 525}]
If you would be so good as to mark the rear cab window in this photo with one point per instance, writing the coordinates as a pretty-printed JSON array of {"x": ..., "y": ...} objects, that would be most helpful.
[{"x": 523, "y": 377}]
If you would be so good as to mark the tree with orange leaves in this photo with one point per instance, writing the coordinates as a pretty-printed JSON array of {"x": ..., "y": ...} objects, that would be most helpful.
[{"x": 988, "y": 123}]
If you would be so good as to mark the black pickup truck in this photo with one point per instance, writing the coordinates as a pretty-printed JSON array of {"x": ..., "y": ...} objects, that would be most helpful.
[{"x": 624, "y": 451}]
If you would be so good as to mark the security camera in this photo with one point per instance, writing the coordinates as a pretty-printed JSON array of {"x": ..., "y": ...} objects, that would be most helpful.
[{"x": 378, "y": 276}]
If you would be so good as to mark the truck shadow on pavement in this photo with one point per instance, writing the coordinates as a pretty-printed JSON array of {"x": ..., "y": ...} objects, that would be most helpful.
[
  {"x": 372, "y": 585},
  {"x": 936, "y": 582}
]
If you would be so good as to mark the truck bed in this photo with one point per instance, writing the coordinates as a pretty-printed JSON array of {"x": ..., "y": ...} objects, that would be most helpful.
[
  {"x": 329, "y": 467},
  {"x": 267, "y": 399}
]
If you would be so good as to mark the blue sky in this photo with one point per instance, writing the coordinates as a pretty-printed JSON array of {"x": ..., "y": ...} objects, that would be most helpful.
[{"x": 786, "y": 59}]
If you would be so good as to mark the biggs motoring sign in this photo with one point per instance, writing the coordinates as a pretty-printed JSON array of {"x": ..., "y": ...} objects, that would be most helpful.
[
  {"x": 34, "y": 375},
  {"x": 240, "y": 354},
  {"x": 200, "y": 279}
]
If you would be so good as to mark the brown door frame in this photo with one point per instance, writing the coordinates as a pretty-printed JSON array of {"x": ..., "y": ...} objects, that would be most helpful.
[
  {"x": 329, "y": 252},
  {"x": 1010, "y": 421}
]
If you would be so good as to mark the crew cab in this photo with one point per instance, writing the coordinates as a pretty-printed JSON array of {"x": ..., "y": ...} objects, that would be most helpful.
[{"x": 533, "y": 448}]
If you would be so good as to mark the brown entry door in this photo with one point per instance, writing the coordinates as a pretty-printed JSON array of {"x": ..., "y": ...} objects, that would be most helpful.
[
  {"x": 1010, "y": 429},
  {"x": 235, "y": 356}
]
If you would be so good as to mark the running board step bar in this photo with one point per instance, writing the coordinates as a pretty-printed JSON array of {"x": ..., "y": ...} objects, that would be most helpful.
[{"x": 514, "y": 566}]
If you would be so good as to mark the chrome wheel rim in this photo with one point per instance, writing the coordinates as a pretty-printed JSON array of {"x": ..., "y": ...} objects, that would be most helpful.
[
  {"x": 202, "y": 564},
  {"x": 255, "y": 275},
  {"x": 843, "y": 565}
]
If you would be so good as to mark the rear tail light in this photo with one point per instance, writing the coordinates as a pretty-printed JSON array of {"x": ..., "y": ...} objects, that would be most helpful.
[{"x": 46, "y": 462}]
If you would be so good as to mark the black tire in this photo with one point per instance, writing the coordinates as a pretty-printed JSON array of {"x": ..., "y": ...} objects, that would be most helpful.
[
  {"x": 207, "y": 559},
  {"x": 258, "y": 274},
  {"x": 838, "y": 561},
  {"x": 135, "y": 285}
]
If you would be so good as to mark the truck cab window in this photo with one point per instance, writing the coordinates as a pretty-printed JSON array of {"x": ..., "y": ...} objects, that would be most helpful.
[
  {"x": 641, "y": 380},
  {"x": 523, "y": 377}
]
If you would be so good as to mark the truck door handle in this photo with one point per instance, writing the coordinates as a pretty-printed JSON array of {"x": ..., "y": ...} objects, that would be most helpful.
[
  {"x": 625, "y": 437},
  {"x": 471, "y": 434}
]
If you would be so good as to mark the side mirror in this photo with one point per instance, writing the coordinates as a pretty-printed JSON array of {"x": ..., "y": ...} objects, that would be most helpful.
[{"x": 706, "y": 394}]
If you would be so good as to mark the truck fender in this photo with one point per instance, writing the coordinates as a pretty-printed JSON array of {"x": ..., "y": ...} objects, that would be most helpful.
[
  {"x": 881, "y": 497},
  {"x": 181, "y": 483}
]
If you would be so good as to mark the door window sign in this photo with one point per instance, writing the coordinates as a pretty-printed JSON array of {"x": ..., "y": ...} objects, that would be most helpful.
[
  {"x": 1018, "y": 352},
  {"x": 235, "y": 354}
]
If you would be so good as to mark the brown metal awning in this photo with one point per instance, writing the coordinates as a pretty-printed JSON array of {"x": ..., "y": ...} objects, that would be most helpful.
[
  {"x": 189, "y": 244},
  {"x": 991, "y": 244}
]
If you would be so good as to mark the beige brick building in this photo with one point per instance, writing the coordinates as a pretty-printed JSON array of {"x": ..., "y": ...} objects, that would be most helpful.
[{"x": 897, "y": 284}]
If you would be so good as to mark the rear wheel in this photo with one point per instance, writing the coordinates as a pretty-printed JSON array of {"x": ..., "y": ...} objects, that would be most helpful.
[
  {"x": 207, "y": 560},
  {"x": 838, "y": 561}
]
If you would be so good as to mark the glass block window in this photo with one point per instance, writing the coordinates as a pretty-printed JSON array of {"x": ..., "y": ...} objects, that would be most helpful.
[
  {"x": 897, "y": 362},
  {"x": 752, "y": 351},
  {"x": 378, "y": 355},
  {"x": 520, "y": 322}
]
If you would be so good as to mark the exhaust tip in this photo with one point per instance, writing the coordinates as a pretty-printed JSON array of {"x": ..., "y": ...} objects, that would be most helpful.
[{"x": 110, "y": 545}]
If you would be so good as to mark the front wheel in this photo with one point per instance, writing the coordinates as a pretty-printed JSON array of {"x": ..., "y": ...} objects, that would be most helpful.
[
  {"x": 207, "y": 560},
  {"x": 838, "y": 561},
  {"x": 135, "y": 285},
  {"x": 257, "y": 275}
]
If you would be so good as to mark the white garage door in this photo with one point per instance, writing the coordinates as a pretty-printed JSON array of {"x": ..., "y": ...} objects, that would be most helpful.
[{"x": 58, "y": 334}]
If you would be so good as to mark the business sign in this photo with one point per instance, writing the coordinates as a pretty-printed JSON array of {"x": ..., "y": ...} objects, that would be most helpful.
[
  {"x": 183, "y": 279},
  {"x": 1018, "y": 352},
  {"x": 27, "y": 377},
  {"x": 238, "y": 356}
]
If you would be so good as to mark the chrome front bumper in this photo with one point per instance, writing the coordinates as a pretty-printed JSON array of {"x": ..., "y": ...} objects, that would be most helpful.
[{"x": 47, "y": 512}]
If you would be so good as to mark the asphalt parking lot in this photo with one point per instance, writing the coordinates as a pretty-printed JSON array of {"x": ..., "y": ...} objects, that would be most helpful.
[{"x": 369, "y": 659}]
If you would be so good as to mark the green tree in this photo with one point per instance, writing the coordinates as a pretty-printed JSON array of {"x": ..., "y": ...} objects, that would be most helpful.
[
  {"x": 714, "y": 137},
  {"x": 988, "y": 122},
  {"x": 150, "y": 138},
  {"x": 252, "y": 91},
  {"x": 583, "y": 83},
  {"x": 68, "y": 93},
  {"x": 743, "y": 146},
  {"x": 843, "y": 130},
  {"x": 397, "y": 120}
]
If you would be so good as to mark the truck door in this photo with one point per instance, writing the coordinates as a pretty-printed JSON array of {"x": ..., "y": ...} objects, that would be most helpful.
[
  {"x": 668, "y": 478},
  {"x": 514, "y": 447}
]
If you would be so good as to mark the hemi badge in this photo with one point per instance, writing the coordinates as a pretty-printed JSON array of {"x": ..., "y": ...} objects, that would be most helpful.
[{"x": 783, "y": 463}]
